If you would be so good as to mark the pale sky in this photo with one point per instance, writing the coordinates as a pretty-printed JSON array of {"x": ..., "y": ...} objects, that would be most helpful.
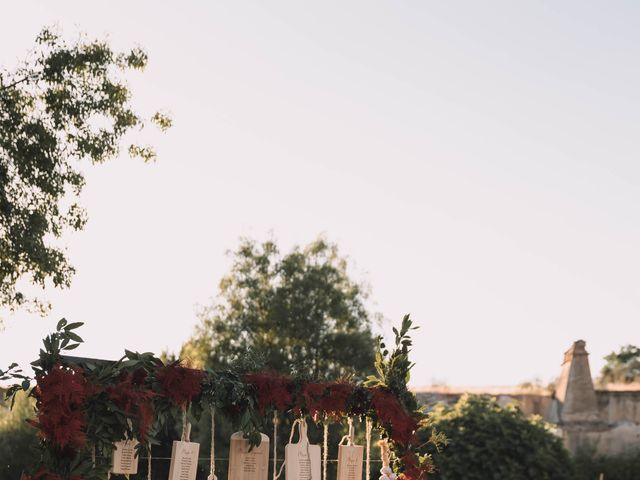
[{"x": 477, "y": 161}]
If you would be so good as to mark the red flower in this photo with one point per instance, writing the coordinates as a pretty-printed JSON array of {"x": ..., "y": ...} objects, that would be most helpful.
[
  {"x": 411, "y": 468},
  {"x": 131, "y": 396},
  {"x": 314, "y": 394},
  {"x": 391, "y": 412},
  {"x": 330, "y": 398},
  {"x": 338, "y": 399},
  {"x": 180, "y": 384},
  {"x": 61, "y": 395},
  {"x": 44, "y": 474},
  {"x": 273, "y": 390}
]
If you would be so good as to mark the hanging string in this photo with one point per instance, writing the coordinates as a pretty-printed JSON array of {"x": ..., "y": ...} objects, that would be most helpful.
[
  {"x": 212, "y": 459},
  {"x": 325, "y": 448},
  {"x": 186, "y": 427},
  {"x": 349, "y": 436},
  {"x": 275, "y": 444},
  {"x": 385, "y": 455},
  {"x": 368, "y": 428},
  {"x": 384, "y": 452},
  {"x": 149, "y": 462}
]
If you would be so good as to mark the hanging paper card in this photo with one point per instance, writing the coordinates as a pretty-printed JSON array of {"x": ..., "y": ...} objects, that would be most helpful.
[
  {"x": 124, "y": 460},
  {"x": 302, "y": 460},
  {"x": 350, "y": 462},
  {"x": 246, "y": 463},
  {"x": 184, "y": 460}
]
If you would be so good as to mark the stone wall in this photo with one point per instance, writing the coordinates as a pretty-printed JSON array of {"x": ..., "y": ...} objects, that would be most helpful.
[
  {"x": 607, "y": 420},
  {"x": 619, "y": 406}
]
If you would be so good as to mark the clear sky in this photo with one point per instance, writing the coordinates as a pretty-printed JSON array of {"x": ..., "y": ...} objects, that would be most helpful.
[{"x": 478, "y": 162}]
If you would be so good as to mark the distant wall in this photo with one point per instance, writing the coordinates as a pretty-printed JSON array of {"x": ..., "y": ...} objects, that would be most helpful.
[
  {"x": 530, "y": 403},
  {"x": 616, "y": 407},
  {"x": 616, "y": 429}
]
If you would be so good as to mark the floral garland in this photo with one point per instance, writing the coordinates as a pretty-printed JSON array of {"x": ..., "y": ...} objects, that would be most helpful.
[{"x": 87, "y": 405}]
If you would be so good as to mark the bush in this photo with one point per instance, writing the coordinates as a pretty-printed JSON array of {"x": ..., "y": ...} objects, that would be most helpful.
[
  {"x": 486, "y": 441},
  {"x": 624, "y": 466},
  {"x": 18, "y": 440}
]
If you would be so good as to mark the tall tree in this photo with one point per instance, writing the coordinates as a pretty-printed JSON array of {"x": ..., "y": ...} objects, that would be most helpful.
[
  {"x": 622, "y": 366},
  {"x": 300, "y": 311},
  {"x": 65, "y": 103}
]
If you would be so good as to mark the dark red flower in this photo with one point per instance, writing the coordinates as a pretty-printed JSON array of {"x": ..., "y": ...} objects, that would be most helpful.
[
  {"x": 139, "y": 376},
  {"x": 390, "y": 412},
  {"x": 180, "y": 384},
  {"x": 339, "y": 395},
  {"x": 314, "y": 394},
  {"x": 410, "y": 468},
  {"x": 61, "y": 395},
  {"x": 272, "y": 390},
  {"x": 330, "y": 398},
  {"x": 44, "y": 474},
  {"x": 134, "y": 399}
]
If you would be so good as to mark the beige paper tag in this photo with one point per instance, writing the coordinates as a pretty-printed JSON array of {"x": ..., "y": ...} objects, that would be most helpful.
[
  {"x": 302, "y": 460},
  {"x": 245, "y": 464},
  {"x": 350, "y": 462},
  {"x": 184, "y": 460},
  {"x": 124, "y": 460}
]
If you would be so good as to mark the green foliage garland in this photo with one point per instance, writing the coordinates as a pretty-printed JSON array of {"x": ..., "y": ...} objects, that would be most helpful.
[{"x": 83, "y": 406}]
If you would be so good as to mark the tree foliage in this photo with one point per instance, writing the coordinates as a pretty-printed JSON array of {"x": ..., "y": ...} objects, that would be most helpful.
[
  {"x": 486, "y": 441},
  {"x": 65, "y": 103},
  {"x": 622, "y": 366},
  {"x": 299, "y": 312}
]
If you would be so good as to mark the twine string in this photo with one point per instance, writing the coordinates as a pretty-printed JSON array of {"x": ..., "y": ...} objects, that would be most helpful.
[
  {"x": 349, "y": 436},
  {"x": 386, "y": 473},
  {"x": 384, "y": 452},
  {"x": 186, "y": 427},
  {"x": 368, "y": 429},
  {"x": 275, "y": 444},
  {"x": 149, "y": 463},
  {"x": 325, "y": 448},
  {"x": 212, "y": 460}
]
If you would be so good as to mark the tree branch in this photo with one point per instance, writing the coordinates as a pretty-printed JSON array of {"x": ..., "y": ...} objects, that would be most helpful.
[{"x": 33, "y": 76}]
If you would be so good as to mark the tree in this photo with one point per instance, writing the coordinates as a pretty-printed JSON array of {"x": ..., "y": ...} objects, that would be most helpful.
[
  {"x": 486, "y": 441},
  {"x": 65, "y": 103},
  {"x": 621, "y": 367},
  {"x": 300, "y": 311}
]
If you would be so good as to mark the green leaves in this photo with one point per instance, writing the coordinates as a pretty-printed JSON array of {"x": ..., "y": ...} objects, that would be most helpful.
[
  {"x": 300, "y": 311},
  {"x": 47, "y": 124},
  {"x": 486, "y": 441},
  {"x": 394, "y": 369},
  {"x": 622, "y": 366},
  {"x": 73, "y": 326}
]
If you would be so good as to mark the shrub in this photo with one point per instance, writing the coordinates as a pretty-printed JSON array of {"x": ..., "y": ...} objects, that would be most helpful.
[
  {"x": 18, "y": 440},
  {"x": 624, "y": 466},
  {"x": 486, "y": 441}
]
